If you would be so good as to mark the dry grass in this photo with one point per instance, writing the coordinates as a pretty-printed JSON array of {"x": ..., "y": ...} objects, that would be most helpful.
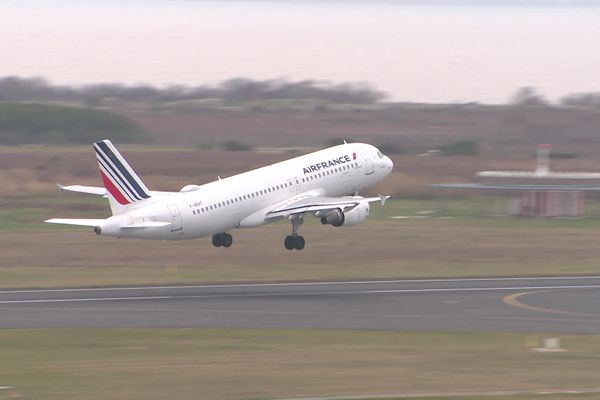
[
  {"x": 406, "y": 127},
  {"x": 263, "y": 364},
  {"x": 30, "y": 171},
  {"x": 381, "y": 248},
  {"x": 376, "y": 249}
]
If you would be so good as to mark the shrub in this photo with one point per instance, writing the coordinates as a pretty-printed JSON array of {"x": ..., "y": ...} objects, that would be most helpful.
[
  {"x": 563, "y": 156},
  {"x": 235, "y": 145},
  {"x": 461, "y": 148},
  {"x": 32, "y": 123},
  {"x": 389, "y": 148},
  {"x": 337, "y": 141}
]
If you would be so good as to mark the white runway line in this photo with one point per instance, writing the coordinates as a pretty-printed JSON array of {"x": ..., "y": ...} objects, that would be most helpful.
[
  {"x": 446, "y": 394},
  {"x": 287, "y": 284},
  {"x": 330, "y": 293}
]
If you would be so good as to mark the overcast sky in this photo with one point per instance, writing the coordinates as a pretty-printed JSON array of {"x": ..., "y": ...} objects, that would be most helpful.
[{"x": 414, "y": 52}]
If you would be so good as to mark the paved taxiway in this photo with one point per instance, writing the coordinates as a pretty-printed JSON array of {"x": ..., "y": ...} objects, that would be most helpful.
[{"x": 551, "y": 304}]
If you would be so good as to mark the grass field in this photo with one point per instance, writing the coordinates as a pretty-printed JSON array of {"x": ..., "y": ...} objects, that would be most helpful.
[
  {"x": 431, "y": 238},
  {"x": 427, "y": 243},
  {"x": 264, "y": 364}
]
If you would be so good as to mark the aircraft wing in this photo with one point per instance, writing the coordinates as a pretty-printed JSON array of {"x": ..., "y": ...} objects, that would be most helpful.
[
  {"x": 319, "y": 204},
  {"x": 509, "y": 186},
  {"x": 98, "y": 191}
]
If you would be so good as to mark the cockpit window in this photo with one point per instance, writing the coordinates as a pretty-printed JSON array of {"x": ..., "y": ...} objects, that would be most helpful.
[{"x": 380, "y": 154}]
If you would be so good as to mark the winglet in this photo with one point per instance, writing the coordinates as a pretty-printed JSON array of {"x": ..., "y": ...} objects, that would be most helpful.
[{"x": 383, "y": 198}]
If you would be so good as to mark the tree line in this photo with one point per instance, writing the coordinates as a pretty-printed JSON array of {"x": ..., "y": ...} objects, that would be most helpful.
[{"x": 233, "y": 91}]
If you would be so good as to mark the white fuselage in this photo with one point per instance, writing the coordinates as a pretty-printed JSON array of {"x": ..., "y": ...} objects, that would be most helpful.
[{"x": 243, "y": 200}]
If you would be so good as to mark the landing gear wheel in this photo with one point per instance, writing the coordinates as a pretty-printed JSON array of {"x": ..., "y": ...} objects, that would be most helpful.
[
  {"x": 299, "y": 242},
  {"x": 294, "y": 242},
  {"x": 222, "y": 239},
  {"x": 289, "y": 242},
  {"x": 227, "y": 239}
]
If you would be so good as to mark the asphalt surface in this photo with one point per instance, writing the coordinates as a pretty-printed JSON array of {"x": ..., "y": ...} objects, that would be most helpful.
[{"x": 551, "y": 304}]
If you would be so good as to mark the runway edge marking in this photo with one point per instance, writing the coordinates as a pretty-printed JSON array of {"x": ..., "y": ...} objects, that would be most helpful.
[{"x": 287, "y": 284}]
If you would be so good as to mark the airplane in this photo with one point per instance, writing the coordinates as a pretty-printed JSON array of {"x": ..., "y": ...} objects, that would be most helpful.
[{"x": 323, "y": 184}]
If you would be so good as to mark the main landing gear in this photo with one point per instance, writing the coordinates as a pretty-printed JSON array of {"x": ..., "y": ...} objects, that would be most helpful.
[
  {"x": 222, "y": 239},
  {"x": 295, "y": 241}
]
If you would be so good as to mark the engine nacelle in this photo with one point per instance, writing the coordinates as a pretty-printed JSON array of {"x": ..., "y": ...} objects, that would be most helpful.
[{"x": 353, "y": 217}]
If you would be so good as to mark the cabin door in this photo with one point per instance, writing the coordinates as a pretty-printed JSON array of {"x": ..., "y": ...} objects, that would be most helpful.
[{"x": 176, "y": 223}]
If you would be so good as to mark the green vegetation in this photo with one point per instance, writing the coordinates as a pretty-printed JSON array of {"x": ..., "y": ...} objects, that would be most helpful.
[
  {"x": 232, "y": 91},
  {"x": 26, "y": 123},
  {"x": 266, "y": 363},
  {"x": 389, "y": 148},
  {"x": 461, "y": 148},
  {"x": 407, "y": 239},
  {"x": 27, "y": 213},
  {"x": 563, "y": 156},
  {"x": 235, "y": 145},
  {"x": 336, "y": 141}
]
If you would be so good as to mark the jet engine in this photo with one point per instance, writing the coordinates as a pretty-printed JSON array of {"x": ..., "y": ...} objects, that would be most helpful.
[{"x": 353, "y": 217}]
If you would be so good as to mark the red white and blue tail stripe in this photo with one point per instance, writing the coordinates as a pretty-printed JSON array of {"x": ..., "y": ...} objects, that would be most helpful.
[{"x": 119, "y": 179}]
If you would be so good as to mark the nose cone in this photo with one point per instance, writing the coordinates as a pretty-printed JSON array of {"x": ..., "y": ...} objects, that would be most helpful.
[{"x": 389, "y": 163}]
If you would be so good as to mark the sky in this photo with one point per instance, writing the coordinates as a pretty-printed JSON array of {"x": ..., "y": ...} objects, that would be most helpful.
[{"x": 458, "y": 51}]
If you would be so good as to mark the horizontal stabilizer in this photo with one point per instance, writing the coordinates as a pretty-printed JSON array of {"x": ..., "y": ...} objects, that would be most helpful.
[
  {"x": 382, "y": 198},
  {"x": 148, "y": 224},
  {"x": 98, "y": 191},
  {"x": 78, "y": 222}
]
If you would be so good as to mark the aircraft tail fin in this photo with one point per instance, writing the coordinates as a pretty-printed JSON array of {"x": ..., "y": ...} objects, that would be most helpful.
[{"x": 123, "y": 186}]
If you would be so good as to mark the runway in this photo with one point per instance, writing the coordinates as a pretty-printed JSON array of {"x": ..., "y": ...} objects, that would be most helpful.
[{"x": 542, "y": 304}]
